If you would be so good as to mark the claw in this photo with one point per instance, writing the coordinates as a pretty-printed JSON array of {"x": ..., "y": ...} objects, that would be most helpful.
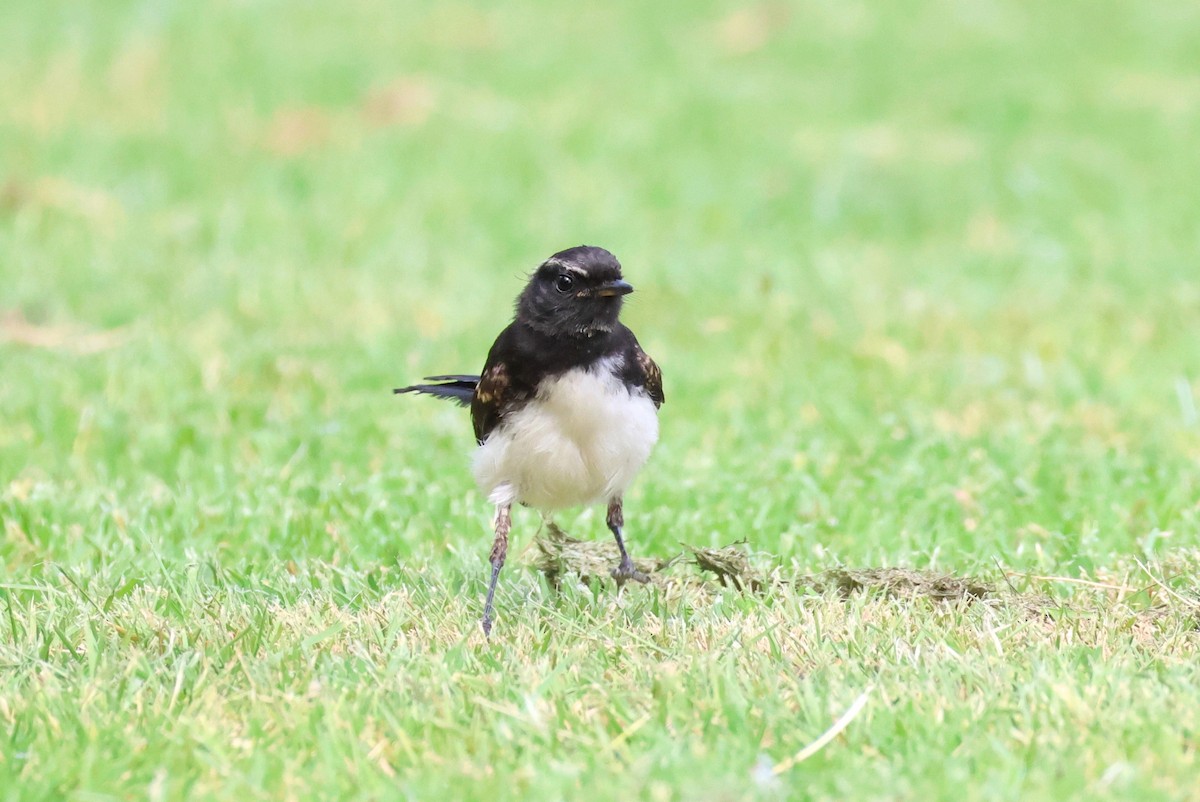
[{"x": 625, "y": 572}]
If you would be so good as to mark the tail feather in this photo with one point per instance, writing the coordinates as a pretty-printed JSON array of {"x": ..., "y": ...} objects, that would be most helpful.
[{"x": 457, "y": 388}]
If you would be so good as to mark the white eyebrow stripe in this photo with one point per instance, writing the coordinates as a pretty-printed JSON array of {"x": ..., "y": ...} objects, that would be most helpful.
[{"x": 567, "y": 266}]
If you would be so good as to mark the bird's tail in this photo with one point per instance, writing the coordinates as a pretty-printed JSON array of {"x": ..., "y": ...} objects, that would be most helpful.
[{"x": 458, "y": 389}]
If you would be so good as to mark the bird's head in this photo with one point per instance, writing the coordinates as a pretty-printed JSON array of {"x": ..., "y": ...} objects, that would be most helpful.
[{"x": 575, "y": 293}]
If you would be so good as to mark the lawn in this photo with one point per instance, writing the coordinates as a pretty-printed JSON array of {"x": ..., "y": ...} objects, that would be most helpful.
[{"x": 922, "y": 278}]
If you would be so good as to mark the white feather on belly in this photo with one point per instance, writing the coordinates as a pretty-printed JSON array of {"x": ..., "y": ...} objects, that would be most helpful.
[{"x": 581, "y": 440}]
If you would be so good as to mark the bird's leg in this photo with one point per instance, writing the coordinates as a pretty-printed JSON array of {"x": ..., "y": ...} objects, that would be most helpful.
[
  {"x": 625, "y": 571},
  {"x": 499, "y": 552}
]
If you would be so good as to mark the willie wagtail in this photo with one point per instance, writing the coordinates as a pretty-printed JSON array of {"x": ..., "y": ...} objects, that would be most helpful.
[{"x": 566, "y": 409}]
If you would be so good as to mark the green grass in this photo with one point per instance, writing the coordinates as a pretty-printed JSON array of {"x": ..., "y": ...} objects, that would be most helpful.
[{"x": 923, "y": 281}]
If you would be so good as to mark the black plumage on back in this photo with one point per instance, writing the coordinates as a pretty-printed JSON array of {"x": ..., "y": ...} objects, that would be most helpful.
[
  {"x": 522, "y": 358},
  {"x": 459, "y": 388}
]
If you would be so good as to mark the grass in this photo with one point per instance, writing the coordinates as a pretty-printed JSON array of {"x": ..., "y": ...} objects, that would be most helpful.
[{"x": 922, "y": 279}]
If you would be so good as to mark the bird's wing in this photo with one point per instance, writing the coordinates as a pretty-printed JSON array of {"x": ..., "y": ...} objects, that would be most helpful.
[
  {"x": 499, "y": 387},
  {"x": 490, "y": 401},
  {"x": 650, "y": 375}
]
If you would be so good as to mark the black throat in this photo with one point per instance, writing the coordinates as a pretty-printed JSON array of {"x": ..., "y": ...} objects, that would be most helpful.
[{"x": 544, "y": 354}]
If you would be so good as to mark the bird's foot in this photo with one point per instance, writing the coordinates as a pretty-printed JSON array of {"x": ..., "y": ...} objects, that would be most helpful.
[
  {"x": 486, "y": 623},
  {"x": 625, "y": 572}
]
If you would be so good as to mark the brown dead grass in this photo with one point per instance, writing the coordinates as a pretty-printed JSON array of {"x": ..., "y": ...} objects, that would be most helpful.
[
  {"x": 405, "y": 101},
  {"x": 296, "y": 130},
  {"x": 558, "y": 556},
  {"x": 16, "y": 329},
  {"x": 54, "y": 194},
  {"x": 291, "y": 131}
]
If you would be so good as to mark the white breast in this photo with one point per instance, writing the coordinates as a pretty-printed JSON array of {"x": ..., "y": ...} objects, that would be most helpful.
[{"x": 581, "y": 440}]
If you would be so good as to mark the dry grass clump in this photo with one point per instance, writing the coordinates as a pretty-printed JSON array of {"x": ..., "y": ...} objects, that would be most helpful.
[{"x": 735, "y": 566}]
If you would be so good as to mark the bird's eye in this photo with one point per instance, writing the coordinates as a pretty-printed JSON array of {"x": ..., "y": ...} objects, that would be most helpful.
[{"x": 564, "y": 283}]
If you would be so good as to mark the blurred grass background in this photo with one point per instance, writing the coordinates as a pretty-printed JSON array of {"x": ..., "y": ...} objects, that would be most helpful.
[
  {"x": 885, "y": 254},
  {"x": 922, "y": 276}
]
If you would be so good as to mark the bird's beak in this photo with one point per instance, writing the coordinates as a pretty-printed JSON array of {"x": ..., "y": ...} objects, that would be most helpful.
[{"x": 611, "y": 288}]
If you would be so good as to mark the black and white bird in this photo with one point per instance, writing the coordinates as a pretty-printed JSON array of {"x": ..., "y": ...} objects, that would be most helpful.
[{"x": 566, "y": 409}]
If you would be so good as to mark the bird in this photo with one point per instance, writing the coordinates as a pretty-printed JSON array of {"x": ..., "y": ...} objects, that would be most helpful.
[{"x": 565, "y": 410}]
